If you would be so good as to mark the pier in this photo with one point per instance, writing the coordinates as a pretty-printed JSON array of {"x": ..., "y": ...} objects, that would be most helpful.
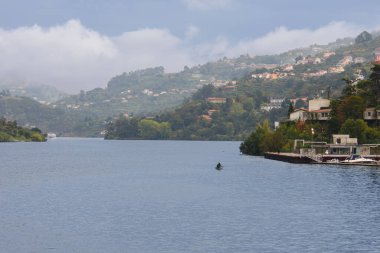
[{"x": 317, "y": 159}]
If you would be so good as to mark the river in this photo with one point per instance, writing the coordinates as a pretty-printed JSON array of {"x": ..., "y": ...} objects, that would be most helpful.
[{"x": 91, "y": 195}]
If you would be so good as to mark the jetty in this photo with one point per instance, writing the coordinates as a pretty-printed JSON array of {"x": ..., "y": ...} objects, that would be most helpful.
[
  {"x": 321, "y": 159},
  {"x": 329, "y": 153}
]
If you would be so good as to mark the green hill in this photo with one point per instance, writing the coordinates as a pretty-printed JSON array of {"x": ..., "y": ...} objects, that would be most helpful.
[
  {"x": 30, "y": 113},
  {"x": 304, "y": 72}
]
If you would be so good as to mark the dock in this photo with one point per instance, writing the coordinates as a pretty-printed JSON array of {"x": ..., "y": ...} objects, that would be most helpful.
[{"x": 317, "y": 159}]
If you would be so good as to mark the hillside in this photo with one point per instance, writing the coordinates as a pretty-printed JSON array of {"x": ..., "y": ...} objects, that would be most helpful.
[
  {"x": 30, "y": 113},
  {"x": 150, "y": 91},
  {"x": 231, "y": 111},
  {"x": 306, "y": 72},
  {"x": 44, "y": 94}
]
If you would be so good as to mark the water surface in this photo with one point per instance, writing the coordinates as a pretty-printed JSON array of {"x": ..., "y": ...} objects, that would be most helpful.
[{"x": 91, "y": 195}]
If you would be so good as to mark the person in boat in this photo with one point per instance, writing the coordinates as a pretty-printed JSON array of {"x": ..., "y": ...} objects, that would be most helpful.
[{"x": 219, "y": 166}]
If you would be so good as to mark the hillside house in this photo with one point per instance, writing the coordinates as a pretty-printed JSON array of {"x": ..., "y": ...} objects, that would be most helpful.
[
  {"x": 274, "y": 103},
  {"x": 315, "y": 74},
  {"x": 229, "y": 88},
  {"x": 377, "y": 55},
  {"x": 359, "y": 60},
  {"x": 345, "y": 61},
  {"x": 216, "y": 100},
  {"x": 219, "y": 83},
  {"x": 206, "y": 118},
  {"x": 299, "y": 114},
  {"x": 321, "y": 114},
  {"x": 318, "y": 109},
  {"x": 337, "y": 69},
  {"x": 371, "y": 114},
  {"x": 211, "y": 112},
  {"x": 328, "y": 54},
  {"x": 318, "y": 103},
  {"x": 288, "y": 67}
]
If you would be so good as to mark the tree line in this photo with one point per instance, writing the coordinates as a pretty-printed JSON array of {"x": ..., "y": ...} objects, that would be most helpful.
[{"x": 10, "y": 131}]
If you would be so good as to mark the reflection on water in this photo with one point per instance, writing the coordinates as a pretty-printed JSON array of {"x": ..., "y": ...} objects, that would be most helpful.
[{"x": 90, "y": 195}]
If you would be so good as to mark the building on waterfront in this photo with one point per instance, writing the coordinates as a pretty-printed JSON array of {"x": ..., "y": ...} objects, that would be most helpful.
[{"x": 342, "y": 144}]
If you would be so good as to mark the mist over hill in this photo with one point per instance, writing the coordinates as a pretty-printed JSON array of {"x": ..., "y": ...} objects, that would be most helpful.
[{"x": 148, "y": 92}]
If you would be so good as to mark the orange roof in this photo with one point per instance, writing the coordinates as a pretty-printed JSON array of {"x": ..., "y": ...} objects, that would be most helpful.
[
  {"x": 216, "y": 100},
  {"x": 206, "y": 117}
]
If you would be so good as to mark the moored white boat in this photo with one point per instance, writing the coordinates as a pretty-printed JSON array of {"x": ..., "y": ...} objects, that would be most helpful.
[{"x": 358, "y": 159}]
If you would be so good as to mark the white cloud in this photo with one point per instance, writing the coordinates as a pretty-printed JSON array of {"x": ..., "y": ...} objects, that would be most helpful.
[
  {"x": 73, "y": 57},
  {"x": 151, "y": 47},
  {"x": 69, "y": 56},
  {"x": 207, "y": 4},
  {"x": 283, "y": 39},
  {"x": 191, "y": 32}
]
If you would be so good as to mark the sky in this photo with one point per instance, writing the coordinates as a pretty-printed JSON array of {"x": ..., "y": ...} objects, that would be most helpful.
[{"x": 81, "y": 44}]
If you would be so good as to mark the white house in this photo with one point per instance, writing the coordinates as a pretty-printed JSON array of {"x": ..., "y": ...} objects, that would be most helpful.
[
  {"x": 299, "y": 114},
  {"x": 318, "y": 110}
]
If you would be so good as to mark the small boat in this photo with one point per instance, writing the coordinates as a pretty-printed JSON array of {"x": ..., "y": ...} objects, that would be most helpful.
[
  {"x": 51, "y": 135},
  {"x": 219, "y": 166},
  {"x": 358, "y": 159},
  {"x": 333, "y": 161}
]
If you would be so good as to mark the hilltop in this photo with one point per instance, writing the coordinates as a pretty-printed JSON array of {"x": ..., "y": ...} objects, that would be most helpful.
[{"x": 31, "y": 114}]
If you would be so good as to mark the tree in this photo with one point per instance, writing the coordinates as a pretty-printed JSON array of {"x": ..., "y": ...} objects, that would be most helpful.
[
  {"x": 205, "y": 92},
  {"x": 351, "y": 107},
  {"x": 149, "y": 129},
  {"x": 355, "y": 128},
  {"x": 300, "y": 104},
  {"x": 274, "y": 141},
  {"x": 375, "y": 78},
  {"x": 298, "y": 58},
  {"x": 152, "y": 130},
  {"x": 333, "y": 123},
  {"x": 254, "y": 144},
  {"x": 365, "y": 89},
  {"x": 291, "y": 109},
  {"x": 350, "y": 88}
]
